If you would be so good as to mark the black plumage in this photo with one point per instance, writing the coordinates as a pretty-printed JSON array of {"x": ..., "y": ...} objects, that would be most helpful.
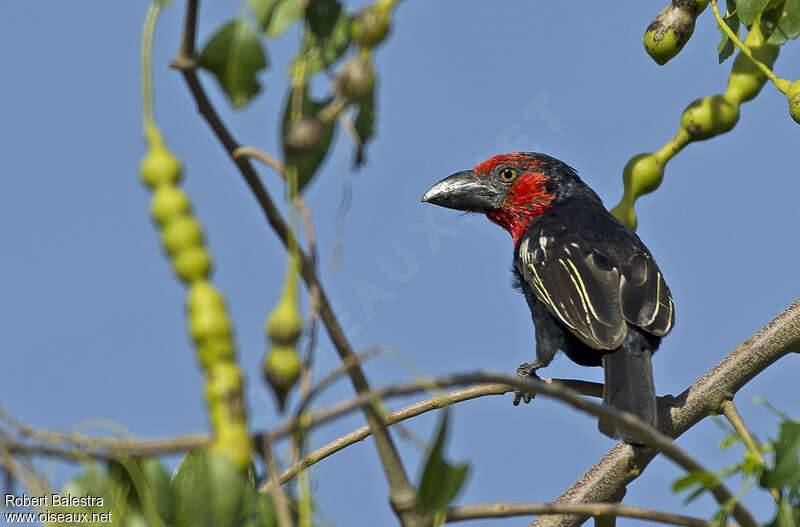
[{"x": 593, "y": 288}]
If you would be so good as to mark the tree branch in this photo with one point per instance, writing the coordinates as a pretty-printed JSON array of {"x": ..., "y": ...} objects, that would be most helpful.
[
  {"x": 402, "y": 493},
  {"x": 419, "y": 408},
  {"x": 651, "y": 437},
  {"x": 623, "y": 463},
  {"x": 597, "y": 510}
]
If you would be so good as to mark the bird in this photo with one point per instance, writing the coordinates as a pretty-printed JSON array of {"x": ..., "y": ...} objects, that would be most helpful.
[{"x": 593, "y": 288}]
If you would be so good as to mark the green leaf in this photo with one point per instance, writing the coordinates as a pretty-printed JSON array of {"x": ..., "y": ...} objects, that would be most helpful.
[
  {"x": 210, "y": 491},
  {"x": 146, "y": 483},
  {"x": 319, "y": 52},
  {"x": 262, "y": 511},
  {"x": 786, "y": 471},
  {"x": 769, "y": 19},
  {"x": 788, "y": 26},
  {"x": 725, "y": 48},
  {"x": 92, "y": 482},
  {"x": 235, "y": 56},
  {"x": 322, "y": 16},
  {"x": 365, "y": 127},
  {"x": 440, "y": 480},
  {"x": 785, "y": 515},
  {"x": 283, "y": 15},
  {"x": 700, "y": 479},
  {"x": 748, "y": 10},
  {"x": 306, "y": 164},
  {"x": 263, "y": 11},
  {"x": 728, "y": 442}
]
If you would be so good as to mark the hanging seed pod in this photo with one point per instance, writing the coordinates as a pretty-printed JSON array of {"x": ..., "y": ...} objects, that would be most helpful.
[
  {"x": 370, "y": 26},
  {"x": 670, "y": 30},
  {"x": 709, "y": 117},
  {"x": 283, "y": 327},
  {"x": 302, "y": 137},
  {"x": 159, "y": 166},
  {"x": 281, "y": 370},
  {"x": 356, "y": 80},
  {"x": 793, "y": 96}
]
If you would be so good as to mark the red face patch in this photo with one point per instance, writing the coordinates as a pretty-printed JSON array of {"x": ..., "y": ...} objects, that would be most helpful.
[{"x": 525, "y": 199}]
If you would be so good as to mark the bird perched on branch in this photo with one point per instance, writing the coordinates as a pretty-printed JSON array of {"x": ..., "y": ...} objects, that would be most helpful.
[{"x": 594, "y": 290}]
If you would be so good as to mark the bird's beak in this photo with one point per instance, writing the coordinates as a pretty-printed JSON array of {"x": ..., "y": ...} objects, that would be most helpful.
[{"x": 465, "y": 191}]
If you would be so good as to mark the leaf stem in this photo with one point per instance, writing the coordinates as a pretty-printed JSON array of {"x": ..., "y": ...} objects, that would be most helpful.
[
  {"x": 146, "y": 62},
  {"x": 781, "y": 84}
]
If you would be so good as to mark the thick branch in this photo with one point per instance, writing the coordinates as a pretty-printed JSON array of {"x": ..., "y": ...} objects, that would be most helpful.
[
  {"x": 403, "y": 495},
  {"x": 622, "y": 464},
  {"x": 597, "y": 510}
]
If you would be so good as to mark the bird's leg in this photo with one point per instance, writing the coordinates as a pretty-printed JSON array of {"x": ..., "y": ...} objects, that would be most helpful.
[{"x": 526, "y": 371}]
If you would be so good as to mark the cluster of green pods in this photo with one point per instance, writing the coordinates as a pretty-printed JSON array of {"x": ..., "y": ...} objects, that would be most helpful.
[
  {"x": 702, "y": 119},
  {"x": 355, "y": 81},
  {"x": 671, "y": 28},
  {"x": 303, "y": 136},
  {"x": 209, "y": 324}
]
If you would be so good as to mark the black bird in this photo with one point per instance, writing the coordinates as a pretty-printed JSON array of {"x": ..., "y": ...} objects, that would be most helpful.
[{"x": 594, "y": 290}]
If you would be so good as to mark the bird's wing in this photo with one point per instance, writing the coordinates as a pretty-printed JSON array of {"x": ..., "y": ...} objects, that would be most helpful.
[
  {"x": 645, "y": 298},
  {"x": 580, "y": 291},
  {"x": 594, "y": 284}
]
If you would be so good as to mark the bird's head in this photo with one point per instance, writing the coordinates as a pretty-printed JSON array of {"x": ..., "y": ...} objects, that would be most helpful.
[{"x": 511, "y": 189}]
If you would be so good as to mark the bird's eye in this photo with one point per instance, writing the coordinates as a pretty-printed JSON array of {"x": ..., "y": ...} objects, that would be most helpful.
[{"x": 508, "y": 174}]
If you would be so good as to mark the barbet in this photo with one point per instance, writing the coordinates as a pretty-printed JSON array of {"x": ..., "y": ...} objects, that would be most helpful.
[{"x": 594, "y": 290}]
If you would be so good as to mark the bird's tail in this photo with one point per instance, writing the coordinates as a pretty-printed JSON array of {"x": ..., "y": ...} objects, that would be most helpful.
[{"x": 629, "y": 385}]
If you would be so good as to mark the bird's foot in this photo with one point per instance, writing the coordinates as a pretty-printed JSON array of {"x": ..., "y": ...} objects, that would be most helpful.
[{"x": 526, "y": 371}]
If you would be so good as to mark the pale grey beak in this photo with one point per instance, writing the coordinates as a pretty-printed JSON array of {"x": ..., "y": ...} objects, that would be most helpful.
[{"x": 465, "y": 191}]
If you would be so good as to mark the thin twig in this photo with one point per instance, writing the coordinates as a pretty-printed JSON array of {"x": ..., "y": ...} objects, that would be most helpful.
[
  {"x": 421, "y": 407},
  {"x": 402, "y": 493},
  {"x": 504, "y": 510},
  {"x": 332, "y": 376},
  {"x": 730, "y": 412},
  {"x": 623, "y": 464},
  {"x": 282, "y": 513},
  {"x": 255, "y": 153}
]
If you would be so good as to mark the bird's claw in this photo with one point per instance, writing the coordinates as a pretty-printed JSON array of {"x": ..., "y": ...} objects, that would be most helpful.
[{"x": 526, "y": 371}]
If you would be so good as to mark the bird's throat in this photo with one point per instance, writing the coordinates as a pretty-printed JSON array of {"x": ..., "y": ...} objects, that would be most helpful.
[{"x": 526, "y": 200}]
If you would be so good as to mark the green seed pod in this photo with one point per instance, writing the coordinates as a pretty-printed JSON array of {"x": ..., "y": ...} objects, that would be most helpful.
[
  {"x": 209, "y": 324},
  {"x": 203, "y": 295},
  {"x": 235, "y": 442},
  {"x": 302, "y": 137},
  {"x": 356, "y": 80},
  {"x": 793, "y": 96},
  {"x": 670, "y": 30},
  {"x": 370, "y": 26},
  {"x": 183, "y": 233},
  {"x": 643, "y": 174},
  {"x": 168, "y": 203},
  {"x": 214, "y": 351},
  {"x": 160, "y": 167},
  {"x": 285, "y": 324},
  {"x": 746, "y": 80},
  {"x": 709, "y": 117},
  {"x": 193, "y": 264},
  {"x": 281, "y": 371},
  {"x": 223, "y": 379}
]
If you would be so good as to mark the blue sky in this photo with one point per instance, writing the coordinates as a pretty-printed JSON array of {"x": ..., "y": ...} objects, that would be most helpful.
[{"x": 92, "y": 318}]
